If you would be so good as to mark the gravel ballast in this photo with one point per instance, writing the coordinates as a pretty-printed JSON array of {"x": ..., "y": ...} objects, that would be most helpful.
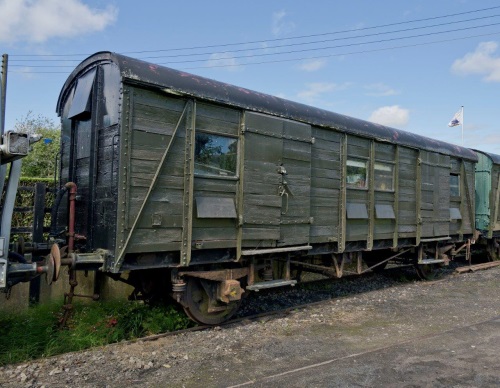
[{"x": 378, "y": 312}]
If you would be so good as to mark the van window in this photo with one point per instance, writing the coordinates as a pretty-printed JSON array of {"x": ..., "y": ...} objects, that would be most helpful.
[
  {"x": 454, "y": 185},
  {"x": 384, "y": 177},
  {"x": 111, "y": 93},
  {"x": 357, "y": 173},
  {"x": 215, "y": 155}
]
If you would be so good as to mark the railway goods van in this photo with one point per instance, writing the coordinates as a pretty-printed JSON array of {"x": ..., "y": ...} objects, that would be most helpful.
[
  {"x": 488, "y": 203},
  {"x": 206, "y": 191}
]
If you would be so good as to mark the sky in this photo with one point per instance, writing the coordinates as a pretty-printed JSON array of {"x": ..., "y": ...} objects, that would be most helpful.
[{"x": 410, "y": 65}]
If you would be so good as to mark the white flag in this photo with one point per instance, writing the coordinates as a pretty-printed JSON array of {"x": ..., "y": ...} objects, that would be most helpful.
[{"x": 456, "y": 120}]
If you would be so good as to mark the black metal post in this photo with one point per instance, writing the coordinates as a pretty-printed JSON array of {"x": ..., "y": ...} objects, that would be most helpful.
[{"x": 38, "y": 218}]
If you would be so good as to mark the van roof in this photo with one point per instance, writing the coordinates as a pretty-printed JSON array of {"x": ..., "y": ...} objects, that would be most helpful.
[{"x": 178, "y": 82}]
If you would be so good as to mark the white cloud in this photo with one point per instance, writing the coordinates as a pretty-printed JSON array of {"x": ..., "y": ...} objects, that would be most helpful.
[
  {"x": 315, "y": 89},
  {"x": 280, "y": 25},
  {"x": 482, "y": 62},
  {"x": 380, "y": 90},
  {"x": 223, "y": 60},
  {"x": 312, "y": 65},
  {"x": 392, "y": 116},
  {"x": 40, "y": 20}
]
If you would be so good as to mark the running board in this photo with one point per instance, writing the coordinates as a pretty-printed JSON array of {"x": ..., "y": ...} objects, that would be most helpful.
[
  {"x": 253, "y": 252},
  {"x": 271, "y": 284}
]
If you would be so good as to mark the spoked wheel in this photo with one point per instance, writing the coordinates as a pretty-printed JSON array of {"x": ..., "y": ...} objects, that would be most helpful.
[
  {"x": 201, "y": 308},
  {"x": 427, "y": 271}
]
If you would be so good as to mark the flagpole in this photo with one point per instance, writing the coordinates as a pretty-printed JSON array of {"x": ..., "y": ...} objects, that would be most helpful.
[{"x": 462, "y": 125}]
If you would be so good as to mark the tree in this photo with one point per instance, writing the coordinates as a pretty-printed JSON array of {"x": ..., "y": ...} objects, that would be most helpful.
[{"x": 41, "y": 161}]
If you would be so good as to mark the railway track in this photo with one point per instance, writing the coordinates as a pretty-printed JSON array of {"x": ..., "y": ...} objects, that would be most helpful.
[
  {"x": 291, "y": 343},
  {"x": 338, "y": 289}
]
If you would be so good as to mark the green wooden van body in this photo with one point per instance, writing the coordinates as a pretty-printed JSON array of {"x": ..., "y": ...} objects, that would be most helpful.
[
  {"x": 134, "y": 136},
  {"x": 488, "y": 194}
]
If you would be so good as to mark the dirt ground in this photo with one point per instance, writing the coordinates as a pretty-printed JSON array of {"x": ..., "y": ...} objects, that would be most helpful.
[{"x": 419, "y": 334}]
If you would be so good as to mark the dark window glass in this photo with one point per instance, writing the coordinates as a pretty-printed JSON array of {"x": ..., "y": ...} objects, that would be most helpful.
[
  {"x": 455, "y": 185},
  {"x": 215, "y": 155},
  {"x": 83, "y": 130},
  {"x": 357, "y": 173},
  {"x": 111, "y": 91},
  {"x": 384, "y": 177},
  {"x": 82, "y": 99}
]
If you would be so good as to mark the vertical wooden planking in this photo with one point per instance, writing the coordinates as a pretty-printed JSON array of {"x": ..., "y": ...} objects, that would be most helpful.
[
  {"x": 469, "y": 209},
  {"x": 239, "y": 197},
  {"x": 357, "y": 197},
  {"x": 418, "y": 202},
  {"x": 395, "y": 238},
  {"x": 217, "y": 229},
  {"x": 122, "y": 181},
  {"x": 295, "y": 213},
  {"x": 135, "y": 232},
  {"x": 187, "y": 224},
  {"x": 261, "y": 201},
  {"x": 343, "y": 195},
  {"x": 463, "y": 204},
  {"x": 371, "y": 197},
  {"x": 325, "y": 185},
  {"x": 407, "y": 192}
]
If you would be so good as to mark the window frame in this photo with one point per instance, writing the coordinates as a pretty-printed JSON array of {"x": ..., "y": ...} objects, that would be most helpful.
[
  {"x": 208, "y": 175},
  {"x": 392, "y": 169},
  {"x": 366, "y": 164},
  {"x": 452, "y": 194}
]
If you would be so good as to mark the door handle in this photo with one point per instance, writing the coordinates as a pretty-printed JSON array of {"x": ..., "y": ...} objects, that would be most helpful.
[{"x": 282, "y": 192}]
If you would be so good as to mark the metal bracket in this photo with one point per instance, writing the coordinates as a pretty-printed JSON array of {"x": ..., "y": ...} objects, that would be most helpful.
[{"x": 282, "y": 192}]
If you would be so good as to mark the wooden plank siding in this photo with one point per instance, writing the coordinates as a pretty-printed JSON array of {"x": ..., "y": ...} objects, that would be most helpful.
[
  {"x": 385, "y": 156},
  {"x": 407, "y": 215},
  {"x": 276, "y": 182},
  {"x": 358, "y": 229},
  {"x": 325, "y": 185},
  {"x": 295, "y": 208},
  {"x": 261, "y": 181},
  {"x": 152, "y": 119},
  {"x": 435, "y": 194},
  {"x": 304, "y": 205},
  {"x": 216, "y": 232},
  {"x": 467, "y": 196}
]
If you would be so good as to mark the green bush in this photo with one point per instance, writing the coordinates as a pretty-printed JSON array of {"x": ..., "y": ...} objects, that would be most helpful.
[{"x": 38, "y": 166}]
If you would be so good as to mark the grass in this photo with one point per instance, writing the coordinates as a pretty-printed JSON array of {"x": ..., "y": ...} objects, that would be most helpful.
[{"x": 35, "y": 333}]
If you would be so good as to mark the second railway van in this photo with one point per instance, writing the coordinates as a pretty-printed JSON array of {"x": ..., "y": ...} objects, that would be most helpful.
[
  {"x": 207, "y": 191},
  {"x": 488, "y": 203}
]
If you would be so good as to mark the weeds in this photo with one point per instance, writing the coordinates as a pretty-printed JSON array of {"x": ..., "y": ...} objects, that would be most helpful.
[{"x": 35, "y": 333}]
